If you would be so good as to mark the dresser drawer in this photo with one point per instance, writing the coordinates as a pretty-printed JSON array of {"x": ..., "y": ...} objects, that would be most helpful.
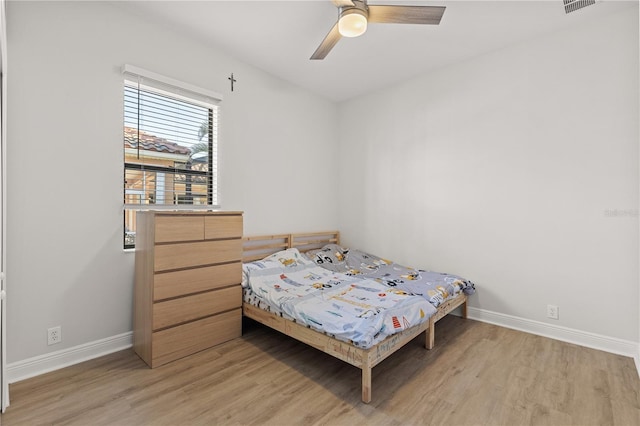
[
  {"x": 187, "y": 255},
  {"x": 179, "y": 228},
  {"x": 183, "y": 340},
  {"x": 179, "y": 283},
  {"x": 189, "y": 308},
  {"x": 222, "y": 227}
]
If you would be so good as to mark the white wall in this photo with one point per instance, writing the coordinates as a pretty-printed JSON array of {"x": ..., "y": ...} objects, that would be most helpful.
[
  {"x": 66, "y": 265},
  {"x": 504, "y": 169},
  {"x": 501, "y": 169}
]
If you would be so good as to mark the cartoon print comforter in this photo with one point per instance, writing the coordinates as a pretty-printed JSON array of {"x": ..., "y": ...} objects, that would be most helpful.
[
  {"x": 436, "y": 287},
  {"x": 352, "y": 309}
]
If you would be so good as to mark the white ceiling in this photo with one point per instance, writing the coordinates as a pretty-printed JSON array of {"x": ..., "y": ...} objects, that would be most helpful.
[{"x": 280, "y": 36}]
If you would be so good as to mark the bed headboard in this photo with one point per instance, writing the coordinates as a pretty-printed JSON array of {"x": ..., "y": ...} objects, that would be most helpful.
[{"x": 258, "y": 247}]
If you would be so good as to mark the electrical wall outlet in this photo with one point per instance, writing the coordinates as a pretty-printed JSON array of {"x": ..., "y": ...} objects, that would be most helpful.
[
  {"x": 552, "y": 311},
  {"x": 54, "y": 335}
]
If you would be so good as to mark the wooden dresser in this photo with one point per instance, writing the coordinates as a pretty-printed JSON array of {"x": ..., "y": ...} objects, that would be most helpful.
[{"x": 187, "y": 292}]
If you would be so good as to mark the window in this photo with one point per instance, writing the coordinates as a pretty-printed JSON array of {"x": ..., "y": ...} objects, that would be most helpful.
[{"x": 170, "y": 146}]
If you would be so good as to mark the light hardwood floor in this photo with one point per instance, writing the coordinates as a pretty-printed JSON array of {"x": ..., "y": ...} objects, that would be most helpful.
[{"x": 477, "y": 374}]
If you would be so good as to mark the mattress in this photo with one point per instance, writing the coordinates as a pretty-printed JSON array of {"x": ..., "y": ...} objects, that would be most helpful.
[
  {"x": 435, "y": 287},
  {"x": 357, "y": 310}
]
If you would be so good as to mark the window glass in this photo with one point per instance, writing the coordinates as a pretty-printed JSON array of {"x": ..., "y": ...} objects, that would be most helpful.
[{"x": 170, "y": 152}]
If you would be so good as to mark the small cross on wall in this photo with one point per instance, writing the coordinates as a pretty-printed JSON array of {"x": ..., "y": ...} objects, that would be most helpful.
[{"x": 232, "y": 80}]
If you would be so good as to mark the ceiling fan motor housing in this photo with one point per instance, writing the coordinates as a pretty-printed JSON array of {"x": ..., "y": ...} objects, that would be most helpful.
[{"x": 353, "y": 21}]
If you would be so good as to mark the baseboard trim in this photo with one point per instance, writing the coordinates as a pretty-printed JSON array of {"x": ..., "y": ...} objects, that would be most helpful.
[
  {"x": 636, "y": 358},
  {"x": 46, "y": 363},
  {"x": 565, "y": 334}
]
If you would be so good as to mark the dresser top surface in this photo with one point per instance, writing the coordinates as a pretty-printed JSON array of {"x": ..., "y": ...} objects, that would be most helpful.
[{"x": 190, "y": 212}]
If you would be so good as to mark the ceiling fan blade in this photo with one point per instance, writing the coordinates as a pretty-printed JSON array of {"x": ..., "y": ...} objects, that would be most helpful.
[
  {"x": 341, "y": 3},
  {"x": 327, "y": 44},
  {"x": 406, "y": 14}
]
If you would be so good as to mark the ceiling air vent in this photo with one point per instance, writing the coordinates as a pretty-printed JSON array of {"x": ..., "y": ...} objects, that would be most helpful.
[{"x": 573, "y": 5}]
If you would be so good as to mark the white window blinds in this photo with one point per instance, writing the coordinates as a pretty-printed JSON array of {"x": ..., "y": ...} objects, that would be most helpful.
[{"x": 170, "y": 145}]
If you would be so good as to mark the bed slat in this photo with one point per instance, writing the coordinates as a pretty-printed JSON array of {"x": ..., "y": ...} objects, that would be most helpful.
[
  {"x": 256, "y": 248},
  {"x": 313, "y": 240}
]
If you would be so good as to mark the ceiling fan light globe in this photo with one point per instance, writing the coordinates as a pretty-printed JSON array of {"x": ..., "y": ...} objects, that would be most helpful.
[{"x": 352, "y": 23}]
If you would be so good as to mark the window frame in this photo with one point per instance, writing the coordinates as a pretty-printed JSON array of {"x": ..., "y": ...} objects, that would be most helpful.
[{"x": 160, "y": 85}]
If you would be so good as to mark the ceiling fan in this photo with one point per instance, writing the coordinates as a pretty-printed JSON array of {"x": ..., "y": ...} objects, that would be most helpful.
[{"x": 355, "y": 14}]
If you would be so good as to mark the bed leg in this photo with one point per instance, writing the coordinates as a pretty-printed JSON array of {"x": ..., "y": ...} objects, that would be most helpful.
[
  {"x": 431, "y": 334},
  {"x": 366, "y": 384},
  {"x": 464, "y": 309}
]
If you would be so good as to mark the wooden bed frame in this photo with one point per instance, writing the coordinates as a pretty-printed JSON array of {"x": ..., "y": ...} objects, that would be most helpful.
[{"x": 255, "y": 248}]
